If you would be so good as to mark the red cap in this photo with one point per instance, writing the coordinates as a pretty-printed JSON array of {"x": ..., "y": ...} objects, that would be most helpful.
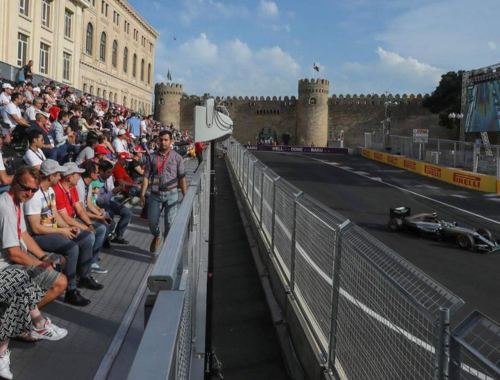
[
  {"x": 125, "y": 156},
  {"x": 139, "y": 148},
  {"x": 54, "y": 112},
  {"x": 101, "y": 150}
]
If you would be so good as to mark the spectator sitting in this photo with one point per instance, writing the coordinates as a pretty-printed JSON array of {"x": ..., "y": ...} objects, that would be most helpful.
[
  {"x": 5, "y": 179},
  {"x": 101, "y": 154},
  {"x": 34, "y": 155},
  {"x": 62, "y": 140},
  {"x": 104, "y": 142},
  {"x": 48, "y": 148},
  {"x": 105, "y": 200},
  {"x": 70, "y": 207},
  {"x": 120, "y": 142},
  {"x": 136, "y": 166},
  {"x": 30, "y": 113},
  {"x": 88, "y": 152},
  {"x": 11, "y": 113},
  {"x": 6, "y": 94},
  {"x": 20, "y": 314},
  {"x": 16, "y": 242},
  {"x": 53, "y": 234}
]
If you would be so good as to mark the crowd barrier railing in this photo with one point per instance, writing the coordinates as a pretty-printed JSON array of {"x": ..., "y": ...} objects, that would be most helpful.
[
  {"x": 372, "y": 314},
  {"x": 173, "y": 344}
]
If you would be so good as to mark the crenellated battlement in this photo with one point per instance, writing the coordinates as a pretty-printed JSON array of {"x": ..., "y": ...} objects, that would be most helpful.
[
  {"x": 314, "y": 81},
  {"x": 168, "y": 89},
  {"x": 375, "y": 99}
]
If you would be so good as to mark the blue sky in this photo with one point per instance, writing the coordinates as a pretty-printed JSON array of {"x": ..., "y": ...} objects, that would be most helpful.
[{"x": 262, "y": 48}]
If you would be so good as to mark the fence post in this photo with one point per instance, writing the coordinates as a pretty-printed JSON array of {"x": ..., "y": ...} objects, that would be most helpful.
[
  {"x": 342, "y": 230},
  {"x": 253, "y": 185},
  {"x": 261, "y": 195},
  {"x": 294, "y": 231},
  {"x": 274, "y": 214},
  {"x": 442, "y": 345},
  {"x": 439, "y": 152},
  {"x": 498, "y": 161},
  {"x": 455, "y": 359},
  {"x": 454, "y": 154}
]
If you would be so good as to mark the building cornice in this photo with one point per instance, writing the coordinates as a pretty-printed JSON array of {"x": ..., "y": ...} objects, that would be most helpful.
[
  {"x": 134, "y": 14},
  {"x": 82, "y": 3}
]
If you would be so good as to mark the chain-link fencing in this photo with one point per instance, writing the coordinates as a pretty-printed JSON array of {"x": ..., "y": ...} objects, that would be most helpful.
[{"x": 372, "y": 314}]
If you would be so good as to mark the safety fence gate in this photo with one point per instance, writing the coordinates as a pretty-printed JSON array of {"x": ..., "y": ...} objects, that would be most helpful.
[{"x": 372, "y": 314}]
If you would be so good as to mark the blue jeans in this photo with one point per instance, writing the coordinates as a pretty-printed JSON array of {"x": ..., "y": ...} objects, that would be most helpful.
[
  {"x": 157, "y": 202},
  {"x": 78, "y": 253},
  {"x": 56, "y": 154},
  {"x": 115, "y": 208},
  {"x": 101, "y": 231}
]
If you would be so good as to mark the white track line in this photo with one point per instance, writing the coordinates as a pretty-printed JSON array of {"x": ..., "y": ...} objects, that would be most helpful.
[{"x": 416, "y": 194}]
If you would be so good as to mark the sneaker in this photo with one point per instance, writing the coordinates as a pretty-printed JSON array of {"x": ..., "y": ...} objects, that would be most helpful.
[
  {"x": 89, "y": 283},
  {"x": 74, "y": 297},
  {"x": 49, "y": 331},
  {"x": 134, "y": 201},
  {"x": 98, "y": 270},
  {"x": 119, "y": 240},
  {"x": 155, "y": 244},
  {"x": 5, "y": 366}
]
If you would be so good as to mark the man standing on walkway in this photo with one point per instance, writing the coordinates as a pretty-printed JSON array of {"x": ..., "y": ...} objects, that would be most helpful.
[
  {"x": 166, "y": 171},
  {"x": 134, "y": 126}
]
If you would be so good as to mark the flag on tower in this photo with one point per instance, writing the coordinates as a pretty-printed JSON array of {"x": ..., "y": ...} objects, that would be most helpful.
[
  {"x": 169, "y": 76},
  {"x": 315, "y": 67}
]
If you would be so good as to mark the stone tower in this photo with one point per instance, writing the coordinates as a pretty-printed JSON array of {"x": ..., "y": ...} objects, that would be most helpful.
[
  {"x": 168, "y": 103},
  {"x": 312, "y": 112}
]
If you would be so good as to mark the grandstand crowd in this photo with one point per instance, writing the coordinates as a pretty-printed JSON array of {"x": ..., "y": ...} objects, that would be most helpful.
[{"x": 69, "y": 163}]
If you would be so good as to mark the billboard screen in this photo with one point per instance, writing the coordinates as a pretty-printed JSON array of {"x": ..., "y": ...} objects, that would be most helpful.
[{"x": 482, "y": 108}]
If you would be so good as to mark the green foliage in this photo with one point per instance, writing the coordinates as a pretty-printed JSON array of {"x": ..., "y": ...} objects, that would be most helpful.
[{"x": 447, "y": 98}]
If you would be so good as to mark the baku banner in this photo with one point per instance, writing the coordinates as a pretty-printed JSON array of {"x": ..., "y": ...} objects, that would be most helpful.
[{"x": 296, "y": 149}]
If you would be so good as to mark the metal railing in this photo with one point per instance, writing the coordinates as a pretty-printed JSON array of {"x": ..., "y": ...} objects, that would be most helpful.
[
  {"x": 175, "y": 333},
  {"x": 468, "y": 156},
  {"x": 372, "y": 314}
]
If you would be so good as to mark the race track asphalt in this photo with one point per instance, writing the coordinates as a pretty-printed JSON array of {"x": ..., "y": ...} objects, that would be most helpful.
[{"x": 359, "y": 189}]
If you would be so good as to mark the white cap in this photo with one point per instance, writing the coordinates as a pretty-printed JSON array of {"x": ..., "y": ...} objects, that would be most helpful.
[
  {"x": 36, "y": 89},
  {"x": 43, "y": 113},
  {"x": 121, "y": 132},
  {"x": 100, "y": 114},
  {"x": 7, "y": 85}
]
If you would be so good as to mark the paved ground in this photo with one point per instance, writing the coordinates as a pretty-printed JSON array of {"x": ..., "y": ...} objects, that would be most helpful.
[
  {"x": 364, "y": 190},
  {"x": 91, "y": 329},
  {"x": 243, "y": 335}
]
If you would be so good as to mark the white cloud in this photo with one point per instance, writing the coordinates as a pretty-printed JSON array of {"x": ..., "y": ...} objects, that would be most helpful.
[
  {"x": 268, "y": 9},
  {"x": 492, "y": 45},
  {"x": 288, "y": 27},
  {"x": 229, "y": 68},
  {"x": 391, "y": 71},
  {"x": 193, "y": 10}
]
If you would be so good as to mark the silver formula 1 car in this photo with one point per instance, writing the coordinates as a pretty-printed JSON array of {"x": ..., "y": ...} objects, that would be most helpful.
[{"x": 429, "y": 225}]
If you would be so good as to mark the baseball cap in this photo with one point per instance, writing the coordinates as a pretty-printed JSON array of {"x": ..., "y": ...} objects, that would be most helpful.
[
  {"x": 131, "y": 135},
  {"x": 36, "y": 89},
  {"x": 49, "y": 167},
  {"x": 101, "y": 150},
  {"x": 139, "y": 148},
  {"x": 43, "y": 113},
  {"x": 97, "y": 184},
  {"x": 71, "y": 168},
  {"x": 125, "y": 156},
  {"x": 7, "y": 86},
  {"x": 121, "y": 132},
  {"x": 144, "y": 140},
  {"x": 100, "y": 114}
]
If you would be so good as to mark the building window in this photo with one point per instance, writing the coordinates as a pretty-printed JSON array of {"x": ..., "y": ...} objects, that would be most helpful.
[
  {"x": 149, "y": 73},
  {"x": 44, "y": 58},
  {"x": 66, "y": 66},
  {"x": 22, "y": 49},
  {"x": 142, "y": 70},
  {"x": 125, "y": 60},
  {"x": 68, "y": 23},
  {"x": 312, "y": 101},
  {"x": 162, "y": 101},
  {"x": 102, "y": 51},
  {"x": 103, "y": 6},
  {"x": 107, "y": 8},
  {"x": 46, "y": 13},
  {"x": 90, "y": 37},
  {"x": 134, "y": 65},
  {"x": 114, "y": 54},
  {"x": 85, "y": 87},
  {"x": 24, "y": 7}
]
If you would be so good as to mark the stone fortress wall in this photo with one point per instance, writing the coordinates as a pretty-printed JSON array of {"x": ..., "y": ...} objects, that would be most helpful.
[{"x": 311, "y": 117}]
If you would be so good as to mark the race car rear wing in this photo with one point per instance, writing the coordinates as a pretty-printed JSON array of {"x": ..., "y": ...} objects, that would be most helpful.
[{"x": 399, "y": 212}]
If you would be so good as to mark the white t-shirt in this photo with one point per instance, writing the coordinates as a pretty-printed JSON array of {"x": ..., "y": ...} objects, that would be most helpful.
[
  {"x": 30, "y": 113},
  {"x": 43, "y": 204},
  {"x": 4, "y": 98},
  {"x": 120, "y": 145},
  {"x": 10, "y": 109},
  {"x": 8, "y": 228},
  {"x": 2, "y": 166},
  {"x": 34, "y": 158},
  {"x": 84, "y": 192}
]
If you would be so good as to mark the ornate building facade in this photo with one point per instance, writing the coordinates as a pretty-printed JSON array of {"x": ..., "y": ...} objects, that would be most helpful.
[{"x": 103, "y": 47}]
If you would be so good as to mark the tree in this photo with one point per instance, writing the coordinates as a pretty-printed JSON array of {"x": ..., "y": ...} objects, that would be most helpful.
[{"x": 447, "y": 97}]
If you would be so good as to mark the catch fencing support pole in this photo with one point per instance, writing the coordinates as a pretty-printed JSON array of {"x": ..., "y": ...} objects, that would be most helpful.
[{"x": 442, "y": 370}]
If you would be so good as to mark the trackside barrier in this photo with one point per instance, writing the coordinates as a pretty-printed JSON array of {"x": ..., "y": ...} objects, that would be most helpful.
[
  {"x": 457, "y": 177},
  {"x": 173, "y": 344},
  {"x": 370, "y": 313}
]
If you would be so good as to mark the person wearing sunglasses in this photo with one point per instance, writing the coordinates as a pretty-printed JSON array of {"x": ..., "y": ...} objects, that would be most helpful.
[{"x": 17, "y": 247}]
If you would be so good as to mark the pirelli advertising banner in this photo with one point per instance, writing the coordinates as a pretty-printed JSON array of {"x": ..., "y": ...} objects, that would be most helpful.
[{"x": 461, "y": 178}]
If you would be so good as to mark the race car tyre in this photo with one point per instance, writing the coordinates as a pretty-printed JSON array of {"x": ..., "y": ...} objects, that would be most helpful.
[
  {"x": 465, "y": 241},
  {"x": 485, "y": 233},
  {"x": 395, "y": 225}
]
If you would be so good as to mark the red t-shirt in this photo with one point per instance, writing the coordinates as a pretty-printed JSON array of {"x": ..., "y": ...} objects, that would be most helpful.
[
  {"x": 119, "y": 172},
  {"x": 66, "y": 201},
  {"x": 198, "y": 147}
]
